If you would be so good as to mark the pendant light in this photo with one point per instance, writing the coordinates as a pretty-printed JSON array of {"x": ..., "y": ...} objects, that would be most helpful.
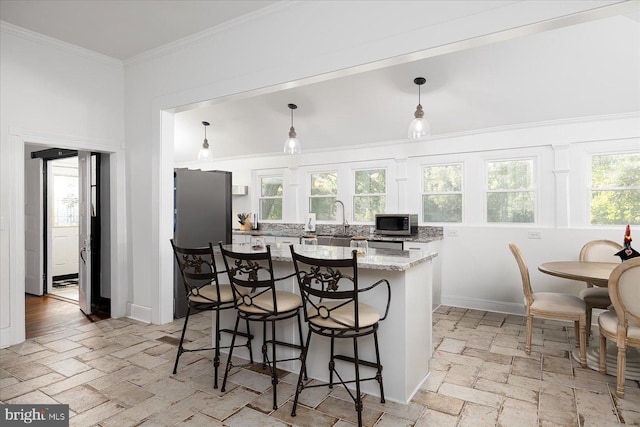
[
  {"x": 205, "y": 152},
  {"x": 292, "y": 145},
  {"x": 419, "y": 127}
]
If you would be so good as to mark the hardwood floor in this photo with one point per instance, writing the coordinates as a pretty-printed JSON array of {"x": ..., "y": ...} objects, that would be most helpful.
[{"x": 47, "y": 314}]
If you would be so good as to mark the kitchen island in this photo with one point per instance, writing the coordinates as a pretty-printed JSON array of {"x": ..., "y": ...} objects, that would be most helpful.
[{"x": 405, "y": 335}]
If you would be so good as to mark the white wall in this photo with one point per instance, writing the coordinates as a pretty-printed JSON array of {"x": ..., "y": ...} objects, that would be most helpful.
[{"x": 53, "y": 94}]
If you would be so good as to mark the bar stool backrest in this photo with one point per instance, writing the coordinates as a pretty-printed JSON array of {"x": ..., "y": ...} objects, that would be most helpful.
[
  {"x": 251, "y": 276},
  {"x": 197, "y": 269},
  {"x": 327, "y": 280}
]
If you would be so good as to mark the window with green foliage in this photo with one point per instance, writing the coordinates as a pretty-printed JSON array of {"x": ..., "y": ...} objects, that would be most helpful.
[
  {"x": 615, "y": 189},
  {"x": 271, "y": 192},
  {"x": 369, "y": 194},
  {"x": 510, "y": 191},
  {"x": 442, "y": 193},
  {"x": 324, "y": 191}
]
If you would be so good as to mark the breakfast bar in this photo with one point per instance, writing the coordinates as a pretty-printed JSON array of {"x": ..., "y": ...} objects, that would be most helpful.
[{"x": 405, "y": 335}]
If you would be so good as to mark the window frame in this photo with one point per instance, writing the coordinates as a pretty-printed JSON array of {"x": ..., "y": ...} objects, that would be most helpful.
[
  {"x": 461, "y": 192},
  {"x": 535, "y": 189},
  {"x": 258, "y": 184},
  {"x": 589, "y": 182},
  {"x": 352, "y": 186},
  {"x": 310, "y": 196}
]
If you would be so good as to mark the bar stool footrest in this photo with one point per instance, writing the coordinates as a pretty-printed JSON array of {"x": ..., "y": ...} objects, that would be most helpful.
[{"x": 360, "y": 362}]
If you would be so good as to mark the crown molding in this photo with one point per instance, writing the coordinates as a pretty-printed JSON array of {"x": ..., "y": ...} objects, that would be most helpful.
[
  {"x": 209, "y": 32},
  {"x": 47, "y": 41}
]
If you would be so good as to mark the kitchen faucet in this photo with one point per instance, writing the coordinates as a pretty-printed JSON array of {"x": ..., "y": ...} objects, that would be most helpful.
[{"x": 345, "y": 224}]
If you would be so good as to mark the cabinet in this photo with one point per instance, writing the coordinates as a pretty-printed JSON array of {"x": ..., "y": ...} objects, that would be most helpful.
[
  {"x": 436, "y": 245},
  {"x": 238, "y": 239}
]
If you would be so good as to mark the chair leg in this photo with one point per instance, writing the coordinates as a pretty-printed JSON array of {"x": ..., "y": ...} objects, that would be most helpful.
[
  {"x": 622, "y": 361},
  {"x": 589, "y": 319},
  {"x": 303, "y": 368},
  {"x": 249, "y": 341},
  {"x": 379, "y": 373},
  {"x": 216, "y": 354},
  {"x": 332, "y": 363},
  {"x": 603, "y": 354},
  {"x": 180, "y": 348},
  {"x": 583, "y": 342},
  {"x": 357, "y": 369},
  {"x": 576, "y": 333},
  {"x": 264, "y": 345},
  {"x": 301, "y": 338},
  {"x": 274, "y": 373},
  {"x": 228, "y": 367},
  {"x": 527, "y": 348}
]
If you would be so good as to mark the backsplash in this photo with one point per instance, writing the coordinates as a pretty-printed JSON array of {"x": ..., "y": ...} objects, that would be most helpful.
[{"x": 424, "y": 232}]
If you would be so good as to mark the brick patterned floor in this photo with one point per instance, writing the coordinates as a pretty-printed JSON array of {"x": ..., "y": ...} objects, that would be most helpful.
[{"x": 117, "y": 372}]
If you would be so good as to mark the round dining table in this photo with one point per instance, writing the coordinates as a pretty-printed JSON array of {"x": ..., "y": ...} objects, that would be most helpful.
[
  {"x": 585, "y": 271},
  {"x": 597, "y": 273}
]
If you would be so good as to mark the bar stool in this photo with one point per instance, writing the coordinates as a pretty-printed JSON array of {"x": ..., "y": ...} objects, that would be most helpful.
[
  {"x": 200, "y": 278},
  {"x": 257, "y": 300},
  {"x": 330, "y": 293}
]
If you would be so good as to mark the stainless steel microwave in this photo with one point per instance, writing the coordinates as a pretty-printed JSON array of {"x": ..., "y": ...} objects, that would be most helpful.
[{"x": 396, "y": 224}]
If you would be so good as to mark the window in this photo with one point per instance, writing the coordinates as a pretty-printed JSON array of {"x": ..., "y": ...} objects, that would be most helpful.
[
  {"x": 324, "y": 191},
  {"x": 370, "y": 194},
  {"x": 615, "y": 189},
  {"x": 510, "y": 191},
  {"x": 271, "y": 190},
  {"x": 442, "y": 193}
]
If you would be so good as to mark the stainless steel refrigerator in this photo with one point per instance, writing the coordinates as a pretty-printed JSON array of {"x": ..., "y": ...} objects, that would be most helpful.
[{"x": 202, "y": 214}]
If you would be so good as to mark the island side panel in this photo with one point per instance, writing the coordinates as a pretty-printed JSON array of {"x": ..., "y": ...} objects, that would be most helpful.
[{"x": 418, "y": 330}]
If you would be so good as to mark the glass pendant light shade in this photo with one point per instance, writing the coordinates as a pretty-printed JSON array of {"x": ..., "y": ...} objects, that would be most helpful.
[
  {"x": 205, "y": 152},
  {"x": 419, "y": 126},
  {"x": 292, "y": 144}
]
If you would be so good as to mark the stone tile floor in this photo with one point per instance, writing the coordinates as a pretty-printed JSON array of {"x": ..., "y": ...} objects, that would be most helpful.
[{"x": 117, "y": 372}]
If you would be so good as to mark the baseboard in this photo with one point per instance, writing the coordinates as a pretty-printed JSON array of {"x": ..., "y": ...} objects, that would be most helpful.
[
  {"x": 139, "y": 312},
  {"x": 482, "y": 304}
]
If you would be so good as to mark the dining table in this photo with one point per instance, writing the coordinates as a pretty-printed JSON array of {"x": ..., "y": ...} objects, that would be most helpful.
[{"x": 598, "y": 274}]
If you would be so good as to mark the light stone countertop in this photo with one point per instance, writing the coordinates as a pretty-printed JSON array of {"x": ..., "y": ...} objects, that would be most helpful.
[{"x": 375, "y": 259}]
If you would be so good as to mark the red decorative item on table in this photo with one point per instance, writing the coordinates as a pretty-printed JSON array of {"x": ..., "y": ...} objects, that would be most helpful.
[{"x": 627, "y": 252}]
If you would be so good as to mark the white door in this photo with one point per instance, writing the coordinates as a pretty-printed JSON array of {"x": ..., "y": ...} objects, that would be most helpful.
[
  {"x": 34, "y": 270},
  {"x": 84, "y": 231}
]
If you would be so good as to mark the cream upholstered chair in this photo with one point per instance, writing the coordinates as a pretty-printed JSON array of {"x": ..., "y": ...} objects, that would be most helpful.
[
  {"x": 596, "y": 296},
  {"x": 623, "y": 324},
  {"x": 552, "y": 305}
]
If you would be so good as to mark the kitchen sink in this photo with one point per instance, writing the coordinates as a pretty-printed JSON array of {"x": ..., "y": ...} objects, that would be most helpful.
[{"x": 334, "y": 240}]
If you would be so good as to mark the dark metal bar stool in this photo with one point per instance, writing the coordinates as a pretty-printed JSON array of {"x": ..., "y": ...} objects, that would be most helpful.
[
  {"x": 253, "y": 283},
  {"x": 204, "y": 292},
  {"x": 330, "y": 293}
]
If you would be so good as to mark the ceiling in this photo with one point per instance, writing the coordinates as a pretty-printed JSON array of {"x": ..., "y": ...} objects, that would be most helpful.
[
  {"x": 125, "y": 28},
  {"x": 588, "y": 69}
]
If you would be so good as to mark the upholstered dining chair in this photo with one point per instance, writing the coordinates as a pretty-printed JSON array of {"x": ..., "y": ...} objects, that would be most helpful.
[
  {"x": 623, "y": 324},
  {"x": 551, "y": 305},
  {"x": 200, "y": 279},
  {"x": 330, "y": 291},
  {"x": 254, "y": 284},
  {"x": 596, "y": 296}
]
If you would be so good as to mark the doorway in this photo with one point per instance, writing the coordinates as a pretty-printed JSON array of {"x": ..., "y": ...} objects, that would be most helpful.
[
  {"x": 71, "y": 261},
  {"x": 60, "y": 198}
]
